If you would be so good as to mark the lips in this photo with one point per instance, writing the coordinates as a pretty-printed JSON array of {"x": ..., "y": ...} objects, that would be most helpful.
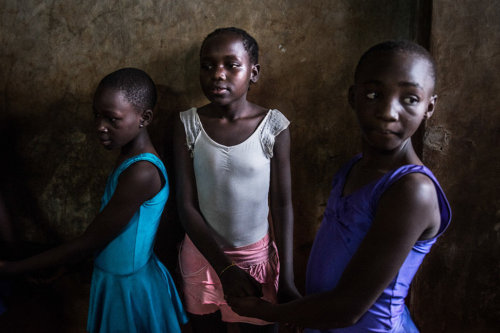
[
  {"x": 104, "y": 140},
  {"x": 384, "y": 131},
  {"x": 218, "y": 90}
]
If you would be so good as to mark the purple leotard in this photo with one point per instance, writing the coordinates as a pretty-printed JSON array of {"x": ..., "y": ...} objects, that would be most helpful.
[{"x": 346, "y": 221}]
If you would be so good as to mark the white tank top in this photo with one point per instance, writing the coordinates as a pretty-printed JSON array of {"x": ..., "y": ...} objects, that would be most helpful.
[{"x": 233, "y": 181}]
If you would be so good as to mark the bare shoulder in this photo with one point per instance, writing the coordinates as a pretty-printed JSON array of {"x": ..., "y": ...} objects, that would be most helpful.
[
  {"x": 416, "y": 186},
  {"x": 141, "y": 170},
  {"x": 141, "y": 176},
  {"x": 413, "y": 200}
]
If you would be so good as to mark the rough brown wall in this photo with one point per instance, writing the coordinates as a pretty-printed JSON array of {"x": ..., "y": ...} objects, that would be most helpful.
[
  {"x": 457, "y": 289},
  {"x": 54, "y": 53}
]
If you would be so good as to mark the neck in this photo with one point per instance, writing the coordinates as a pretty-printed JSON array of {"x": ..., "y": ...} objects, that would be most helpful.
[
  {"x": 384, "y": 161},
  {"x": 231, "y": 111},
  {"x": 141, "y": 144}
]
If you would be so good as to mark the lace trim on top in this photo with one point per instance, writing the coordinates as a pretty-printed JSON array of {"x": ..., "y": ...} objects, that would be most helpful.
[
  {"x": 191, "y": 126},
  {"x": 275, "y": 123}
]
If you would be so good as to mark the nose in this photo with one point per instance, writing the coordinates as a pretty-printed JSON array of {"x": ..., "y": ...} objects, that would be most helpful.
[
  {"x": 389, "y": 110},
  {"x": 219, "y": 73},
  {"x": 101, "y": 126}
]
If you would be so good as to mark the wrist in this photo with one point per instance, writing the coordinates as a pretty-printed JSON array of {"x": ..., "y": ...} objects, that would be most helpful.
[{"x": 269, "y": 312}]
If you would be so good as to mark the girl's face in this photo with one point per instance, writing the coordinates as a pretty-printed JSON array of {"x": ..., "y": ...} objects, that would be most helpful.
[
  {"x": 392, "y": 95},
  {"x": 226, "y": 70},
  {"x": 117, "y": 121}
]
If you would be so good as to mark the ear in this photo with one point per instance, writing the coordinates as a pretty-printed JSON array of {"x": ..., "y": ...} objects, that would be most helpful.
[
  {"x": 254, "y": 76},
  {"x": 146, "y": 118},
  {"x": 350, "y": 95},
  {"x": 431, "y": 107}
]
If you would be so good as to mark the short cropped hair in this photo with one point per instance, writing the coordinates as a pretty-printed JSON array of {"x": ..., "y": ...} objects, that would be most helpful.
[
  {"x": 249, "y": 43},
  {"x": 399, "y": 46},
  {"x": 137, "y": 87}
]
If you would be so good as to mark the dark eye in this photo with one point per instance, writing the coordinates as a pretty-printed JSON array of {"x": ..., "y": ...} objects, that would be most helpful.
[
  {"x": 410, "y": 100},
  {"x": 206, "y": 66}
]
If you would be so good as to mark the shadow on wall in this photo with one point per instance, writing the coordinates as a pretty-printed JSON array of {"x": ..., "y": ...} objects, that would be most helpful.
[
  {"x": 39, "y": 297},
  {"x": 52, "y": 182},
  {"x": 170, "y": 103},
  {"x": 22, "y": 204}
]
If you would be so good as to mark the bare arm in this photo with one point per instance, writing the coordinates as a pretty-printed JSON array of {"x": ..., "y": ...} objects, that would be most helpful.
[
  {"x": 137, "y": 184},
  {"x": 406, "y": 211},
  {"x": 282, "y": 214},
  {"x": 234, "y": 280}
]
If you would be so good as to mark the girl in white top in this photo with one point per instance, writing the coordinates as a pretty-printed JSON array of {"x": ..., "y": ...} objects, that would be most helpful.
[{"x": 232, "y": 163}]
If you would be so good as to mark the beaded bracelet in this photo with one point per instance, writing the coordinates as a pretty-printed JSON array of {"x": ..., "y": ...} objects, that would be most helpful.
[{"x": 226, "y": 268}]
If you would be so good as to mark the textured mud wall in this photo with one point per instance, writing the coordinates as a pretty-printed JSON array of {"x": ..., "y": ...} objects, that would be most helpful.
[
  {"x": 54, "y": 53},
  {"x": 457, "y": 289}
]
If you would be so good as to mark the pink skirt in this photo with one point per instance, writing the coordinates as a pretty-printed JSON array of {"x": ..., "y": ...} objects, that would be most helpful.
[{"x": 201, "y": 285}]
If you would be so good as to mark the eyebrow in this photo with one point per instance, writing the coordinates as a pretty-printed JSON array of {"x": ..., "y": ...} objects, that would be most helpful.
[
  {"x": 410, "y": 84},
  {"x": 225, "y": 57},
  {"x": 106, "y": 110},
  {"x": 401, "y": 84}
]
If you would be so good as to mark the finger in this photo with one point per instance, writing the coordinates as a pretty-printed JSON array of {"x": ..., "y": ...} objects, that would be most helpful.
[
  {"x": 233, "y": 301},
  {"x": 256, "y": 286},
  {"x": 258, "y": 289},
  {"x": 235, "y": 292},
  {"x": 248, "y": 289}
]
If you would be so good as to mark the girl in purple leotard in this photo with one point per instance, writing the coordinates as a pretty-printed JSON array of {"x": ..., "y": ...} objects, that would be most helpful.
[{"x": 385, "y": 211}]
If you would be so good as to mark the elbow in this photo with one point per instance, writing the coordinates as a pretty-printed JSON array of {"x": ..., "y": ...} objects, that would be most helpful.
[
  {"x": 352, "y": 315},
  {"x": 340, "y": 319},
  {"x": 338, "y": 323},
  {"x": 351, "y": 320},
  {"x": 89, "y": 244},
  {"x": 282, "y": 203}
]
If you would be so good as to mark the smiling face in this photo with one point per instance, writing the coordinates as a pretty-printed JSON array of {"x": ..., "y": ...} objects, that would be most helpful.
[
  {"x": 118, "y": 123},
  {"x": 226, "y": 70},
  {"x": 392, "y": 94}
]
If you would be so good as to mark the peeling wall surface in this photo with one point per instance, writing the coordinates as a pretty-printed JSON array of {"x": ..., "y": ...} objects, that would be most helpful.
[
  {"x": 457, "y": 288},
  {"x": 53, "y": 172}
]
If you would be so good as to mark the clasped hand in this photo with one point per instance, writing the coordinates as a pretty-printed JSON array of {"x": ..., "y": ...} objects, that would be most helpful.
[
  {"x": 248, "y": 306},
  {"x": 238, "y": 283}
]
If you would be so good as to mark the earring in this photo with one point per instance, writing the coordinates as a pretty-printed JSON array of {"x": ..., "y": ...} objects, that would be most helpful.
[{"x": 141, "y": 125}]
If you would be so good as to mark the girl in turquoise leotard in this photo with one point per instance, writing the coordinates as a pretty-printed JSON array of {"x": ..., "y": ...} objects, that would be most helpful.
[{"x": 131, "y": 290}]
